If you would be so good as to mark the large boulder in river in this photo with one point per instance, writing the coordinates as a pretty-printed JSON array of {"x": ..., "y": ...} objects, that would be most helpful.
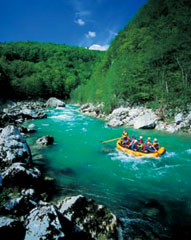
[
  {"x": 90, "y": 217},
  {"x": 46, "y": 140},
  {"x": 119, "y": 113},
  {"x": 145, "y": 121},
  {"x": 20, "y": 174},
  {"x": 54, "y": 102},
  {"x": 115, "y": 123},
  {"x": 46, "y": 222},
  {"x": 13, "y": 147},
  {"x": 11, "y": 229}
]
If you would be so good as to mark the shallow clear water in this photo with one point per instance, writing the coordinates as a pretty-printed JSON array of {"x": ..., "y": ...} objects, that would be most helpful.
[{"x": 82, "y": 165}]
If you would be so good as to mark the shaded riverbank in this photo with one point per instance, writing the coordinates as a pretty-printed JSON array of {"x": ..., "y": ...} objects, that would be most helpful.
[{"x": 25, "y": 212}]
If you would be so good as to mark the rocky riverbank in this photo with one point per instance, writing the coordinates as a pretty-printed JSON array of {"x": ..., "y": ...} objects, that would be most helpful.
[
  {"x": 25, "y": 212},
  {"x": 141, "y": 118}
]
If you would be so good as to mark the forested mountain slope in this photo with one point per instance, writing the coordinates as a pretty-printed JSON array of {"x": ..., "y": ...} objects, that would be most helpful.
[
  {"x": 148, "y": 62},
  {"x": 33, "y": 69}
]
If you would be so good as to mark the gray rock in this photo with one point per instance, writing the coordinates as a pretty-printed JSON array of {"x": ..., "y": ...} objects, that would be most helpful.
[
  {"x": 188, "y": 117},
  {"x": 54, "y": 102},
  {"x": 13, "y": 147},
  {"x": 29, "y": 193},
  {"x": 41, "y": 114},
  {"x": 20, "y": 174},
  {"x": 171, "y": 128},
  {"x": 183, "y": 124},
  {"x": 29, "y": 113},
  {"x": 46, "y": 222},
  {"x": 6, "y": 110},
  {"x": 19, "y": 206},
  {"x": 127, "y": 120},
  {"x": 119, "y": 113},
  {"x": 90, "y": 217},
  {"x": 131, "y": 122},
  {"x": 26, "y": 130},
  {"x": 46, "y": 140},
  {"x": 11, "y": 229},
  {"x": 178, "y": 118},
  {"x": 88, "y": 107},
  {"x": 146, "y": 121},
  {"x": 92, "y": 114},
  {"x": 115, "y": 123},
  {"x": 91, "y": 110},
  {"x": 160, "y": 125},
  {"x": 134, "y": 112}
]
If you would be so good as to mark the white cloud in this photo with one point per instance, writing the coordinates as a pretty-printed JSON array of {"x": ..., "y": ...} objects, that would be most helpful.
[
  {"x": 99, "y": 47},
  {"x": 80, "y": 22},
  {"x": 91, "y": 34}
]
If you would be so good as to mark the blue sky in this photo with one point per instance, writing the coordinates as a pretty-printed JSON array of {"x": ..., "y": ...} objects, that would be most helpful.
[{"x": 87, "y": 23}]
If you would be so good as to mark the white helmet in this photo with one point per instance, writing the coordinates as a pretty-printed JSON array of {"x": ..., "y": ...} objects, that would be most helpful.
[
  {"x": 155, "y": 140},
  {"x": 141, "y": 137}
]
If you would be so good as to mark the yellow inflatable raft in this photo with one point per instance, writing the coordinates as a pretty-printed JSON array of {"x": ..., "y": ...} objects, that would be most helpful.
[{"x": 160, "y": 152}]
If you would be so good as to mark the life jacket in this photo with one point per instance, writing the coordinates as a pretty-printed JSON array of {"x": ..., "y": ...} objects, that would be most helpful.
[
  {"x": 128, "y": 140},
  {"x": 140, "y": 145},
  {"x": 156, "y": 145},
  {"x": 144, "y": 146},
  {"x": 149, "y": 143},
  {"x": 134, "y": 145},
  {"x": 140, "y": 141},
  {"x": 125, "y": 135}
]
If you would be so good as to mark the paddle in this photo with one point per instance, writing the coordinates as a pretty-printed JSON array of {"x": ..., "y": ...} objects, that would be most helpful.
[{"x": 110, "y": 140}]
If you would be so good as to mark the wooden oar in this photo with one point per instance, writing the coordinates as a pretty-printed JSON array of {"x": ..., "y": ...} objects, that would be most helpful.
[{"x": 110, "y": 140}]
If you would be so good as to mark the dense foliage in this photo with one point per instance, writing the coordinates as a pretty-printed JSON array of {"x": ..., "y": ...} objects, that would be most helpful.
[
  {"x": 148, "y": 62},
  {"x": 40, "y": 70}
]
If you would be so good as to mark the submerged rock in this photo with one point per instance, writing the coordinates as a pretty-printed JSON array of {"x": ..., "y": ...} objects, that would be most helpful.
[
  {"x": 45, "y": 140},
  {"x": 90, "y": 217},
  {"x": 13, "y": 147},
  {"x": 54, "y": 102}
]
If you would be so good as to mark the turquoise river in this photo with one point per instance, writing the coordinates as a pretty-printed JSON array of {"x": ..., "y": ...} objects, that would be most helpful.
[{"x": 150, "y": 196}]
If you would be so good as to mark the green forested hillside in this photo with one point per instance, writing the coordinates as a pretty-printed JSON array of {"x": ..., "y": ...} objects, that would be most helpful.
[
  {"x": 148, "y": 62},
  {"x": 33, "y": 70}
]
